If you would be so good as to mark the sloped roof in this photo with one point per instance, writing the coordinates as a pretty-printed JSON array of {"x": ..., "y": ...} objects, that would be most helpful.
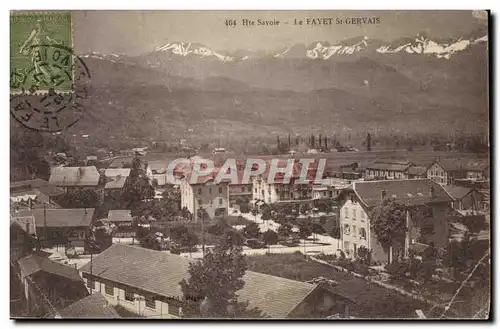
[
  {"x": 457, "y": 192},
  {"x": 32, "y": 183},
  {"x": 417, "y": 170},
  {"x": 121, "y": 162},
  {"x": 27, "y": 224},
  {"x": 388, "y": 165},
  {"x": 36, "y": 186},
  {"x": 94, "y": 306},
  {"x": 409, "y": 191},
  {"x": 74, "y": 176},
  {"x": 463, "y": 164},
  {"x": 119, "y": 216},
  {"x": 78, "y": 217},
  {"x": 113, "y": 172},
  {"x": 116, "y": 182},
  {"x": 33, "y": 263},
  {"x": 160, "y": 166},
  {"x": 160, "y": 273}
]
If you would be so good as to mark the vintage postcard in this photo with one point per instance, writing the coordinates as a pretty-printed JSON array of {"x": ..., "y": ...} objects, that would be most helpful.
[{"x": 250, "y": 165}]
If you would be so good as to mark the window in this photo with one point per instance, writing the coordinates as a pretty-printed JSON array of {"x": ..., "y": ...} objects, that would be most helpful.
[
  {"x": 355, "y": 247},
  {"x": 346, "y": 245},
  {"x": 324, "y": 193},
  {"x": 96, "y": 285},
  {"x": 362, "y": 214},
  {"x": 174, "y": 310},
  {"x": 362, "y": 233},
  {"x": 89, "y": 283},
  {"x": 347, "y": 229},
  {"x": 242, "y": 189},
  {"x": 150, "y": 303},
  {"x": 220, "y": 189},
  {"x": 346, "y": 212},
  {"x": 109, "y": 290},
  {"x": 354, "y": 230},
  {"x": 220, "y": 202},
  {"x": 199, "y": 191},
  {"x": 129, "y": 296},
  {"x": 354, "y": 214},
  {"x": 255, "y": 190}
]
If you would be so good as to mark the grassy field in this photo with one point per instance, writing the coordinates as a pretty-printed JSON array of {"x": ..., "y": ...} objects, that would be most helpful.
[
  {"x": 373, "y": 301},
  {"x": 423, "y": 158}
]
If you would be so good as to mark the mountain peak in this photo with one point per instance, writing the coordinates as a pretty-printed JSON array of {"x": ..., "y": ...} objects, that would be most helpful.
[{"x": 192, "y": 49}]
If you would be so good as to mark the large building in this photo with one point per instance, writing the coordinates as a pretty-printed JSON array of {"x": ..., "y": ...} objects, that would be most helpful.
[
  {"x": 116, "y": 180},
  {"x": 146, "y": 282},
  {"x": 278, "y": 189},
  {"x": 422, "y": 194},
  {"x": 56, "y": 226},
  {"x": 205, "y": 196},
  {"x": 70, "y": 178},
  {"x": 35, "y": 193},
  {"x": 48, "y": 286},
  {"x": 387, "y": 169},
  {"x": 452, "y": 171}
]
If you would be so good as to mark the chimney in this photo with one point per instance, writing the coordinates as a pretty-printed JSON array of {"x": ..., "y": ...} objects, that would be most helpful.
[
  {"x": 431, "y": 191},
  {"x": 383, "y": 194}
]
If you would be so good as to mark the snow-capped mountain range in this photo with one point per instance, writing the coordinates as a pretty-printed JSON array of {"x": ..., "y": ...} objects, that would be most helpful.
[
  {"x": 323, "y": 50},
  {"x": 188, "y": 48},
  {"x": 423, "y": 45}
]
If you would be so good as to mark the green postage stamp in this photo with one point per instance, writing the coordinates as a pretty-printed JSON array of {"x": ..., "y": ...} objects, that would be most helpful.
[{"x": 41, "y": 54}]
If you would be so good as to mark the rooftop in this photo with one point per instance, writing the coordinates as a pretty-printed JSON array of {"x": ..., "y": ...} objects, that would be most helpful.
[
  {"x": 115, "y": 182},
  {"x": 417, "y": 170},
  {"x": 113, "y": 172},
  {"x": 412, "y": 192},
  {"x": 94, "y": 306},
  {"x": 392, "y": 165},
  {"x": 457, "y": 192},
  {"x": 74, "y": 176},
  {"x": 274, "y": 296},
  {"x": 33, "y": 263},
  {"x": 119, "y": 216},
  {"x": 463, "y": 164},
  {"x": 78, "y": 217}
]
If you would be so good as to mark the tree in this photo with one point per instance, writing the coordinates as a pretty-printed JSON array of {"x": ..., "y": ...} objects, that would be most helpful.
[
  {"x": 80, "y": 198},
  {"x": 388, "y": 223},
  {"x": 305, "y": 230},
  {"x": 270, "y": 237},
  {"x": 210, "y": 290},
  {"x": 255, "y": 212},
  {"x": 232, "y": 239},
  {"x": 150, "y": 242},
  {"x": 251, "y": 231},
  {"x": 317, "y": 228},
  {"x": 136, "y": 192},
  {"x": 284, "y": 231},
  {"x": 266, "y": 215},
  {"x": 364, "y": 255},
  {"x": 368, "y": 142}
]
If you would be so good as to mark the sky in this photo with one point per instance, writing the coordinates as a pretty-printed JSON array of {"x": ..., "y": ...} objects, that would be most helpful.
[{"x": 138, "y": 32}]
